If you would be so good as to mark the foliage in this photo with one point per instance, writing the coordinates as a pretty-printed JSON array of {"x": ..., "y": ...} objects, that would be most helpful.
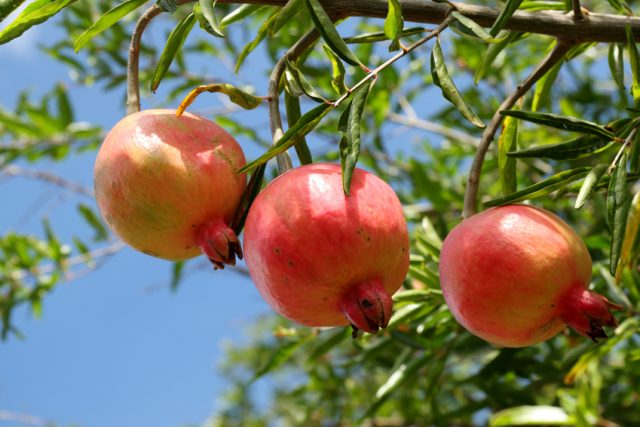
[{"x": 570, "y": 145}]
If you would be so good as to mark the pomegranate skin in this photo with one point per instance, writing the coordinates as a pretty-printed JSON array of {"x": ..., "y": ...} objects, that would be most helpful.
[
  {"x": 168, "y": 186},
  {"x": 322, "y": 258},
  {"x": 517, "y": 275}
]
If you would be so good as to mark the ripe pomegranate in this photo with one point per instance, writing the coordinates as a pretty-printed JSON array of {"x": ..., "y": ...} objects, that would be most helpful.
[
  {"x": 168, "y": 186},
  {"x": 516, "y": 275},
  {"x": 322, "y": 258}
]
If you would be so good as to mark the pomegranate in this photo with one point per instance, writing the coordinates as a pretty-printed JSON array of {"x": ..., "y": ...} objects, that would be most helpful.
[
  {"x": 516, "y": 275},
  {"x": 168, "y": 186},
  {"x": 322, "y": 258}
]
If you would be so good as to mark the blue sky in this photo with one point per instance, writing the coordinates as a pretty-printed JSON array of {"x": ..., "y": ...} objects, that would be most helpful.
[{"x": 115, "y": 347}]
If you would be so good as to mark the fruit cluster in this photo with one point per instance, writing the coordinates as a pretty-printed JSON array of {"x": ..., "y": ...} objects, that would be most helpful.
[{"x": 168, "y": 186}]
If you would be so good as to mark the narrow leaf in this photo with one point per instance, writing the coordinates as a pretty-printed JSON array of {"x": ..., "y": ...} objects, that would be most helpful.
[
  {"x": 176, "y": 275},
  {"x": 329, "y": 33},
  {"x": 590, "y": 183},
  {"x": 205, "y": 14},
  {"x": 561, "y": 122},
  {"x": 94, "y": 221},
  {"x": 492, "y": 52},
  {"x": 302, "y": 127},
  {"x": 380, "y": 36},
  {"x": 350, "y": 142},
  {"x": 507, "y": 142},
  {"x": 393, "y": 24},
  {"x": 330, "y": 339},
  {"x": 262, "y": 33},
  {"x": 337, "y": 71},
  {"x": 174, "y": 43},
  {"x": 292, "y": 105},
  {"x": 616, "y": 64},
  {"x": 239, "y": 13},
  {"x": 302, "y": 83},
  {"x": 442, "y": 79},
  {"x": 278, "y": 358},
  {"x": 287, "y": 12},
  {"x": 629, "y": 249},
  {"x": 65, "y": 112},
  {"x": 634, "y": 60},
  {"x": 8, "y": 6},
  {"x": 236, "y": 95},
  {"x": 634, "y": 156},
  {"x": 505, "y": 15},
  {"x": 248, "y": 196},
  {"x": 32, "y": 15},
  {"x": 106, "y": 21},
  {"x": 531, "y": 415},
  {"x": 544, "y": 86},
  {"x": 618, "y": 204},
  {"x": 469, "y": 28},
  {"x": 541, "y": 188},
  {"x": 572, "y": 149}
]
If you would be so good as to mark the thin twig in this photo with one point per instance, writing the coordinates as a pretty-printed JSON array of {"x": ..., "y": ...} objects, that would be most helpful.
[
  {"x": 275, "y": 118},
  {"x": 625, "y": 145},
  {"x": 471, "y": 194},
  {"x": 374, "y": 73},
  {"x": 74, "y": 187},
  {"x": 577, "y": 10}
]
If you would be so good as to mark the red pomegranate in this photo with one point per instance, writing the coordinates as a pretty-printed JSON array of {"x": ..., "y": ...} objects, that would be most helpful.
[
  {"x": 516, "y": 275},
  {"x": 168, "y": 186},
  {"x": 322, "y": 258}
]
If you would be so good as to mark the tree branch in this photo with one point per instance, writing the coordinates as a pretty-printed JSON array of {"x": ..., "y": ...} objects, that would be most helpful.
[
  {"x": 577, "y": 10},
  {"x": 471, "y": 193},
  {"x": 74, "y": 187},
  {"x": 598, "y": 28}
]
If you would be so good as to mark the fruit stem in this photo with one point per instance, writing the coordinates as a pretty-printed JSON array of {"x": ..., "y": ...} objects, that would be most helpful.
[
  {"x": 367, "y": 306},
  {"x": 587, "y": 313},
  {"x": 219, "y": 243}
]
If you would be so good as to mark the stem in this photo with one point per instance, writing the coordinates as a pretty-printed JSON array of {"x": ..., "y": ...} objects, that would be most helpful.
[
  {"x": 471, "y": 194},
  {"x": 374, "y": 73},
  {"x": 577, "y": 10},
  {"x": 275, "y": 118},
  {"x": 625, "y": 145},
  {"x": 133, "y": 86}
]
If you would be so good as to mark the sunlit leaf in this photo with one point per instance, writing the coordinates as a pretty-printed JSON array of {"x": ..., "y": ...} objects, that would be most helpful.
[
  {"x": 394, "y": 24},
  {"x": 531, "y": 416},
  {"x": 206, "y": 16},
  {"x": 509, "y": 8},
  {"x": 380, "y": 36},
  {"x": 174, "y": 43},
  {"x": 493, "y": 50},
  {"x": 106, "y": 21},
  {"x": 292, "y": 105},
  {"x": 8, "y": 6},
  {"x": 616, "y": 64},
  {"x": 338, "y": 71},
  {"x": 590, "y": 183},
  {"x": 329, "y": 33},
  {"x": 34, "y": 14},
  {"x": 287, "y": 12},
  {"x": 629, "y": 249},
  {"x": 302, "y": 83},
  {"x": 634, "y": 61},
  {"x": 618, "y": 204},
  {"x": 442, "y": 79},
  {"x": 561, "y": 122},
  {"x": 508, "y": 142}
]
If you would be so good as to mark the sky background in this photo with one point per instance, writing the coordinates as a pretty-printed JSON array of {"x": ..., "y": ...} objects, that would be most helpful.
[{"x": 114, "y": 347}]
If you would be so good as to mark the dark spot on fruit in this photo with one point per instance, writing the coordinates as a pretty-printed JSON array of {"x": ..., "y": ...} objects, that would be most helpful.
[
  {"x": 366, "y": 303},
  {"x": 403, "y": 249},
  {"x": 114, "y": 185},
  {"x": 368, "y": 238},
  {"x": 277, "y": 250},
  {"x": 152, "y": 253},
  {"x": 193, "y": 226},
  {"x": 290, "y": 263},
  {"x": 553, "y": 305}
]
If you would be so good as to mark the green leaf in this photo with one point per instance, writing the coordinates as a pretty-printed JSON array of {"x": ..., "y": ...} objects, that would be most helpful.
[
  {"x": 248, "y": 196},
  {"x": 618, "y": 204},
  {"x": 169, "y": 6},
  {"x": 590, "y": 183},
  {"x": 561, "y": 122},
  {"x": 634, "y": 60},
  {"x": 65, "y": 112},
  {"x": 34, "y": 14},
  {"x": 287, "y": 12},
  {"x": 329, "y": 340},
  {"x": 239, "y": 13},
  {"x": 337, "y": 71},
  {"x": 394, "y": 24},
  {"x": 236, "y": 95},
  {"x": 329, "y": 33},
  {"x": 621, "y": 6},
  {"x": 417, "y": 295},
  {"x": 572, "y": 149},
  {"x": 507, "y": 142},
  {"x": 282, "y": 354},
  {"x": 176, "y": 275},
  {"x": 301, "y": 82},
  {"x": 351, "y": 130},
  {"x": 634, "y": 156},
  {"x": 302, "y": 127},
  {"x": 531, "y": 416},
  {"x": 492, "y": 52},
  {"x": 174, "y": 43},
  {"x": 469, "y": 28},
  {"x": 262, "y": 33},
  {"x": 205, "y": 14},
  {"x": 442, "y": 79},
  {"x": 106, "y": 21},
  {"x": 94, "y": 221},
  {"x": 544, "y": 86},
  {"x": 380, "y": 36},
  {"x": 8, "y": 6},
  {"x": 292, "y": 105},
  {"x": 629, "y": 247},
  {"x": 505, "y": 15},
  {"x": 616, "y": 64},
  {"x": 541, "y": 188}
]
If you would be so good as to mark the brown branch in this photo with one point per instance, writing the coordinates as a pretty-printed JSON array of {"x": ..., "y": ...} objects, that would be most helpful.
[
  {"x": 436, "y": 128},
  {"x": 74, "y": 187},
  {"x": 471, "y": 193},
  {"x": 598, "y": 28},
  {"x": 577, "y": 10},
  {"x": 275, "y": 118}
]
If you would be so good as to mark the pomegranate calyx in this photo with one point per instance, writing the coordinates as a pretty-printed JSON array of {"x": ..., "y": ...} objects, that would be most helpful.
[
  {"x": 588, "y": 313},
  {"x": 367, "y": 307},
  {"x": 219, "y": 243}
]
